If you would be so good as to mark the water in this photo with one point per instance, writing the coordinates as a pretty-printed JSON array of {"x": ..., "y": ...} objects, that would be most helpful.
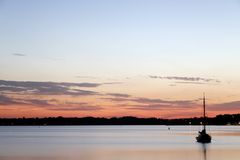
[{"x": 117, "y": 143}]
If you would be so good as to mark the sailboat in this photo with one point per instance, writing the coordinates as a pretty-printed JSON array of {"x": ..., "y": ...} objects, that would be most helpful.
[{"x": 203, "y": 137}]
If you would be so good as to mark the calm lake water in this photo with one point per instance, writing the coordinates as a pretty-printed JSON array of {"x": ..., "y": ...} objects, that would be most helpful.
[{"x": 117, "y": 143}]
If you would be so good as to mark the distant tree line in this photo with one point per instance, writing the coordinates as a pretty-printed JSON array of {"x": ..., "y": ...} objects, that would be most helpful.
[{"x": 226, "y": 119}]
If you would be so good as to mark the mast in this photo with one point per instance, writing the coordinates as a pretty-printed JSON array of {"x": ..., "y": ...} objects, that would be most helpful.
[
  {"x": 204, "y": 112},
  {"x": 203, "y": 137}
]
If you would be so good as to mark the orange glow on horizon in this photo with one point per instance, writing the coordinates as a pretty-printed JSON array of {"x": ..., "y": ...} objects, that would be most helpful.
[{"x": 32, "y": 111}]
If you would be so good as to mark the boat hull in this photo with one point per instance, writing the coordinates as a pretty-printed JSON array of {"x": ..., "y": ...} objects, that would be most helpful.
[{"x": 204, "y": 138}]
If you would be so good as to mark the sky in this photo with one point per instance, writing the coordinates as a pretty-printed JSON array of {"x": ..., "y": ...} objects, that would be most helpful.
[{"x": 104, "y": 58}]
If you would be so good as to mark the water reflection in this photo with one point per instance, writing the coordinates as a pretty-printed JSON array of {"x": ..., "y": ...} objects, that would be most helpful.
[
  {"x": 204, "y": 150},
  {"x": 116, "y": 142}
]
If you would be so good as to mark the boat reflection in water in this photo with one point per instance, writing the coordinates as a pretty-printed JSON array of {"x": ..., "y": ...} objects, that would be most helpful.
[{"x": 204, "y": 150}]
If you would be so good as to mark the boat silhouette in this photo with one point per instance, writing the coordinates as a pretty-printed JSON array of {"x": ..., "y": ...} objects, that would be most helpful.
[{"x": 203, "y": 137}]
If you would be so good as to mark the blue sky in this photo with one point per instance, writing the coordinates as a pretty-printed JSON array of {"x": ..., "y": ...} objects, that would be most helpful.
[
  {"x": 93, "y": 33},
  {"x": 122, "y": 41}
]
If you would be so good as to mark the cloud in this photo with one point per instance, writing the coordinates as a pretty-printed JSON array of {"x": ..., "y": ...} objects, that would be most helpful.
[
  {"x": 152, "y": 104},
  {"x": 159, "y": 104},
  {"x": 51, "y": 104},
  {"x": 118, "y": 95},
  {"x": 4, "y": 100},
  {"x": 76, "y": 106},
  {"x": 79, "y": 92},
  {"x": 189, "y": 82},
  {"x": 117, "y": 99},
  {"x": 19, "y": 54},
  {"x": 158, "y": 107},
  {"x": 148, "y": 107},
  {"x": 47, "y": 88},
  {"x": 110, "y": 83},
  {"x": 187, "y": 79},
  {"x": 38, "y": 102},
  {"x": 148, "y": 100},
  {"x": 227, "y": 106},
  {"x": 29, "y": 93}
]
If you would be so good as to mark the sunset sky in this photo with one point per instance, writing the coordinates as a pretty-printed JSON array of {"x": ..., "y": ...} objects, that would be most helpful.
[{"x": 106, "y": 58}]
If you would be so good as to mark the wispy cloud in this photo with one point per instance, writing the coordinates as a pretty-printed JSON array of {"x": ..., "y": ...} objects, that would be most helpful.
[
  {"x": 5, "y": 100},
  {"x": 196, "y": 80},
  {"x": 10, "y": 100},
  {"x": 51, "y": 104},
  {"x": 151, "y": 104},
  {"x": 112, "y": 83},
  {"x": 47, "y": 88},
  {"x": 226, "y": 106},
  {"x": 19, "y": 54},
  {"x": 118, "y": 95},
  {"x": 189, "y": 82},
  {"x": 149, "y": 107},
  {"x": 76, "y": 106}
]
